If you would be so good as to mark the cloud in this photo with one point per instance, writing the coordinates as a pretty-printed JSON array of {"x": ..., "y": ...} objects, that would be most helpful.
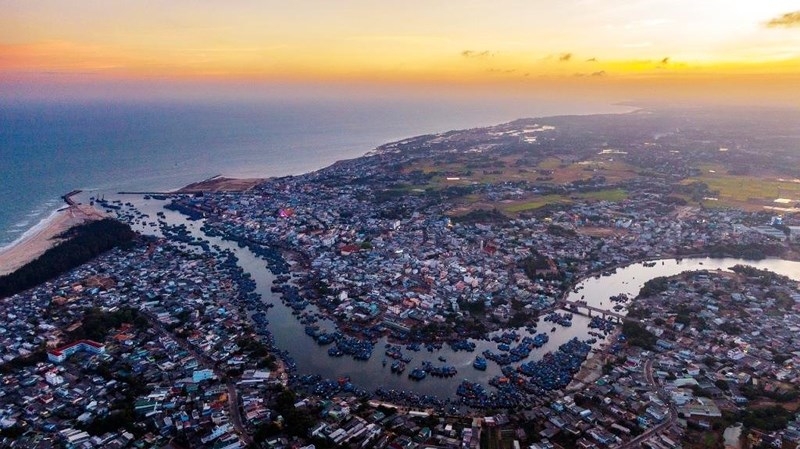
[
  {"x": 476, "y": 54},
  {"x": 495, "y": 70},
  {"x": 790, "y": 19},
  {"x": 565, "y": 57},
  {"x": 599, "y": 74}
]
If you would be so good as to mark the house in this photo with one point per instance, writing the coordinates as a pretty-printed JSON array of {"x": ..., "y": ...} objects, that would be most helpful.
[{"x": 62, "y": 353}]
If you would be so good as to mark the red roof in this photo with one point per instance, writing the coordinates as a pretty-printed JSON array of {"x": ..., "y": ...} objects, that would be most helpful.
[
  {"x": 60, "y": 350},
  {"x": 350, "y": 248}
]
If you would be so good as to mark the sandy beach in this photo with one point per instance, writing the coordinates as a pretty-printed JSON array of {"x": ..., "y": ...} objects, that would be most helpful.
[{"x": 43, "y": 236}]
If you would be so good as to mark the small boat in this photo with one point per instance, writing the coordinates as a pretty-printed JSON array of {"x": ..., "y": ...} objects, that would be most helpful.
[
  {"x": 417, "y": 374},
  {"x": 398, "y": 366}
]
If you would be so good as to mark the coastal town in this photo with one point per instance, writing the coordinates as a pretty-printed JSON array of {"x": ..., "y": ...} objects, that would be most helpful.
[{"x": 474, "y": 241}]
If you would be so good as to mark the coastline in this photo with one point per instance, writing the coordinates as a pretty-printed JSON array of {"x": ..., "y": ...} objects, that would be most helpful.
[
  {"x": 294, "y": 153},
  {"x": 221, "y": 183},
  {"x": 43, "y": 236}
]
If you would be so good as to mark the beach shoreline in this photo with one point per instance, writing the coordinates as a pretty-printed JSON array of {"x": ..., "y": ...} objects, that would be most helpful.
[{"x": 43, "y": 236}]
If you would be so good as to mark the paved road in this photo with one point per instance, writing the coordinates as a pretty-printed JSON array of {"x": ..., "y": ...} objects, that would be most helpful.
[
  {"x": 206, "y": 362},
  {"x": 647, "y": 371}
]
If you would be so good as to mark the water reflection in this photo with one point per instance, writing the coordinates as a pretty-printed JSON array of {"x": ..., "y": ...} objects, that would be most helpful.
[{"x": 312, "y": 358}]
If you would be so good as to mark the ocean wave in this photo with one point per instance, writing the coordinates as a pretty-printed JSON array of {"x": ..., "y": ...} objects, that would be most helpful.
[{"x": 30, "y": 231}]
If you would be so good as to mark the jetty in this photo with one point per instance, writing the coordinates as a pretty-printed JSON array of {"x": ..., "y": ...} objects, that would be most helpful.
[
  {"x": 147, "y": 193},
  {"x": 68, "y": 197}
]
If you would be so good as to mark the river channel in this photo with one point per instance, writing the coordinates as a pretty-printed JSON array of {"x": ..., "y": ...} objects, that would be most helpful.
[{"x": 312, "y": 358}]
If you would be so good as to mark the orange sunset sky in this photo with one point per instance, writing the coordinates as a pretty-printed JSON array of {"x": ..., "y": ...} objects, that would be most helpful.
[{"x": 628, "y": 49}]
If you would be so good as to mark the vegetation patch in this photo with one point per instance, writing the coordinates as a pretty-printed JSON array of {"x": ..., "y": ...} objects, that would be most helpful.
[
  {"x": 96, "y": 324},
  {"x": 653, "y": 287},
  {"x": 84, "y": 243},
  {"x": 766, "y": 419},
  {"x": 481, "y": 216},
  {"x": 613, "y": 195},
  {"x": 745, "y": 190},
  {"x": 637, "y": 335},
  {"x": 535, "y": 203}
]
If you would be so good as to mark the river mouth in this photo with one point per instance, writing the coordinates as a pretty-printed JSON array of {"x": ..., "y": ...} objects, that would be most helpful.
[{"x": 375, "y": 373}]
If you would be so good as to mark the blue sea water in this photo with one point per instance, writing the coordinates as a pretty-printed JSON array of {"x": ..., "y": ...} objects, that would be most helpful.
[{"x": 48, "y": 149}]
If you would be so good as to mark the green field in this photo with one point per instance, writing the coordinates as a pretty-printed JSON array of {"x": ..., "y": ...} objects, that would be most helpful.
[
  {"x": 605, "y": 195},
  {"x": 537, "y": 202},
  {"x": 741, "y": 191}
]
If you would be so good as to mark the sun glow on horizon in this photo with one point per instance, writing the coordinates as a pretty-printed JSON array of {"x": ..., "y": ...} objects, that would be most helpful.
[{"x": 473, "y": 42}]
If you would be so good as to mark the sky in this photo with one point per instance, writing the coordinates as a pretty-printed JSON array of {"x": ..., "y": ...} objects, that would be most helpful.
[{"x": 736, "y": 49}]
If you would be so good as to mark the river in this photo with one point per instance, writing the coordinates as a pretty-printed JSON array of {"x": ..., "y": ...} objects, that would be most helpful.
[
  {"x": 312, "y": 358},
  {"x": 629, "y": 279}
]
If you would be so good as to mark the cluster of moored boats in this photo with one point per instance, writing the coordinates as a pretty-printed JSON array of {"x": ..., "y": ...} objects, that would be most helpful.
[
  {"x": 562, "y": 319},
  {"x": 410, "y": 397},
  {"x": 439, "y": 371},
  {"x": 290, "y": 295},
  {"x": 516, "y": 353},
  {"x": 602, "y": 324},
  {"x": 555, "y": 369},
  {"x": 327, "y": 388},
  {"x": 463, "y": 345},
  {"x": 355, "y": 347},
  {"x": 394, "y": 352}
]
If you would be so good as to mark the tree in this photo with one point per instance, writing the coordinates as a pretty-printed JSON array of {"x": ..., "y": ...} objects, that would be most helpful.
[
  {"x": 653, "y": 287},
  {"x": 84, "y": 242},
  {"x": 637, "y": 335}
]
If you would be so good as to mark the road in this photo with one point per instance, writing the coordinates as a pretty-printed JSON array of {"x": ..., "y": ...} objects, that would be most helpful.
[
  {"x": 575, "y": 306},
  {"x": 207, "y": 363},
  {"x": 647, "y": 371}
]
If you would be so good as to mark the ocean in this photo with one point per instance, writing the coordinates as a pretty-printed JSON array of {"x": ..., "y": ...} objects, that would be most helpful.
[{"x": 49, "y": 149}]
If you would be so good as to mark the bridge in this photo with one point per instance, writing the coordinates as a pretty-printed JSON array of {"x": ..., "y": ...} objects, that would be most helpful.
[{"x": 582, "y": 308}]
